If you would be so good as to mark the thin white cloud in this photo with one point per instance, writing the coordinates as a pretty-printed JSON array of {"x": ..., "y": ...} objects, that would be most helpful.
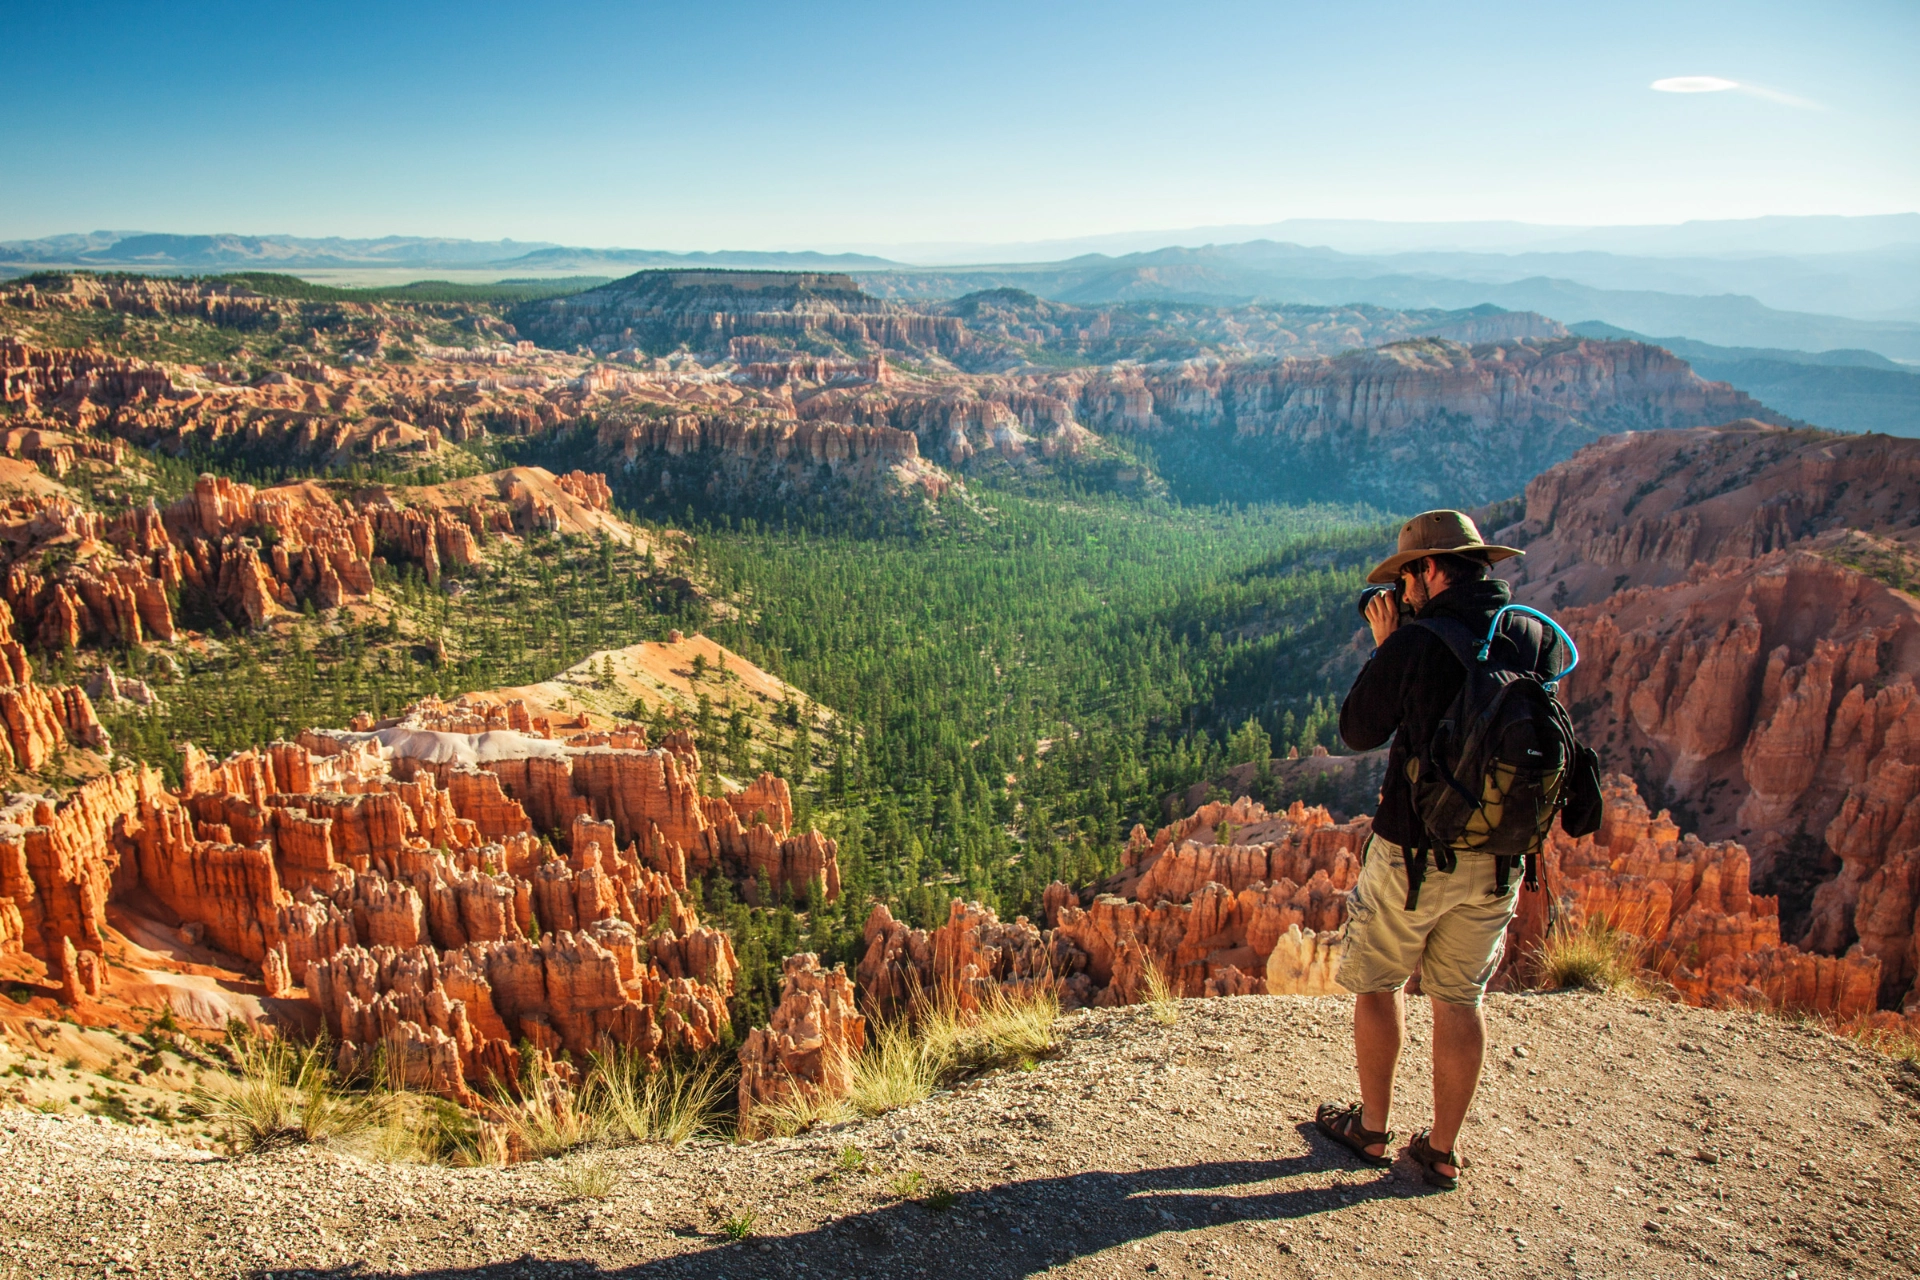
[
  {"x": 1719, "y": 84},
  {"x": 1784, "y": 99},
  {"x": 1694, "y": 84}
]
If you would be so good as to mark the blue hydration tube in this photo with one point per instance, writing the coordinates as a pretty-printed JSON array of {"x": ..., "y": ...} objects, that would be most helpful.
[{"x": 1493, "y": 629}]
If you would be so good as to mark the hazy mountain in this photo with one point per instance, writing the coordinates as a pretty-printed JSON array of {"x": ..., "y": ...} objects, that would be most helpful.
[
  {"x": 149, "y": 251},
  {"x": 1843, "y": 390},
  {"x": 558, "y": 259},
  {"x": 1272, "y": 272},
  {"x": 1808, "y": 284},
  {"x": 1817, "y": 235},
  {"x": 157, "y": 251}
]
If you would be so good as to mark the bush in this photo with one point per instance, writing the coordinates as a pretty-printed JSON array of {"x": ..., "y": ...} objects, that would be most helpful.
[
  {"x": 1160, "y": 997},
  {"x": 1591, "y": 954},
  {"x": 282, "y": 1094},
  {"x": 669, "y": 1104},
  {"x": 905, "y": 1061}
]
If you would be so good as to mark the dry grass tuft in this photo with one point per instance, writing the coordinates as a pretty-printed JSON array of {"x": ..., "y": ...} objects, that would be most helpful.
[
  {"x": 904, "y": 1062},
  {"x": 669, "y": 1104},
  {"x": 1591, "y": 954},
  {"x": 546, "y": 1120},
  {"x": 1160, "y": 997},
  {"x": 1885, "y": 1033},
  {"x": 802, "y": 1109},
  {"x": 417, "y": 1129},
  {"x": 584, "y": 1177},
  {"x": 898, "y": 1069},
  {"x": 282, "y": 1094}
]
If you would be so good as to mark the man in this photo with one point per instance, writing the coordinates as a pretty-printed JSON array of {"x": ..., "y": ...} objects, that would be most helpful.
[{"x": 1452, "y": 929}]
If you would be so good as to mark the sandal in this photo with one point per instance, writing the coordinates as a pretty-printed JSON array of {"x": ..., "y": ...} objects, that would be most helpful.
[
  {"x": 1427, "y": 1158},
  {"x": 1342, "y": 1124}
]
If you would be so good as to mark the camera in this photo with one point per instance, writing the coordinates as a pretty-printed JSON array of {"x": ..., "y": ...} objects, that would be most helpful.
[{"x": 1392, "y": 589}]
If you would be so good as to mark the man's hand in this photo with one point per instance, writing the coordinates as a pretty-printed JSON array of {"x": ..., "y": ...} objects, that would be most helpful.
[{"x": 1383, "y": 616}]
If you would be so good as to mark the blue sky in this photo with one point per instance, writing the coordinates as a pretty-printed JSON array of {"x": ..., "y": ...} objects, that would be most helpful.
[{"x": 831, "y": 125}]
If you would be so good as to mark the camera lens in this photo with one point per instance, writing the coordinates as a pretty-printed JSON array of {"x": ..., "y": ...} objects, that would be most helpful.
[{"x": 1368, "y": 593}]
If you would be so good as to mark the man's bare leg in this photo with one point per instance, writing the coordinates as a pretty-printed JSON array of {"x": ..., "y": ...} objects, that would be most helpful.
[
  {"x": 1459, "y": 1049},
  {"x": 1379, "y": 1025}
]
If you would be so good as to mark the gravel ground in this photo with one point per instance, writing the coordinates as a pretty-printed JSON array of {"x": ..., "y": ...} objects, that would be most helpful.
[{"x": 1611, "y": 1138}]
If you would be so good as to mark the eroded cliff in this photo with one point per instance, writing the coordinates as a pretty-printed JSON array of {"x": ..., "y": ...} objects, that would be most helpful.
[{"x": 1750, "y": 648}]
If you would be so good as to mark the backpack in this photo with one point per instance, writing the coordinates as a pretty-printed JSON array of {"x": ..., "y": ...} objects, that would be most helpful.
[{"x": 1504, "y": 758}]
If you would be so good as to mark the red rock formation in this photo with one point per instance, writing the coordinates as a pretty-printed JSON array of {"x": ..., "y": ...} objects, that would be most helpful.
[
  {"x": 255, "y": 553},
  {"x": 1755, "y": 661},
  {"x": 810, "y": 1048},
  {"x": 1714, "y": 939},
  {"x": 1207, "y": 915}
]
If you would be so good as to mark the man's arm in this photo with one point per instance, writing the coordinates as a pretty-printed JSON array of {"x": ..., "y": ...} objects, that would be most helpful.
[{"x": 1372, "y": 710}]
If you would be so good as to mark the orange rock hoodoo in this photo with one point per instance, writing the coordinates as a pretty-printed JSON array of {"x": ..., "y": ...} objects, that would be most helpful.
[
  {"x": 1232, "y": 900},
  {"x": 250, "y": 553},
  {"x": 809, "y": 1049},
  {"x": 1715, "y": 940},
  {"x": 1753, "y": 658},
  {"x": 395, "y": 875}
]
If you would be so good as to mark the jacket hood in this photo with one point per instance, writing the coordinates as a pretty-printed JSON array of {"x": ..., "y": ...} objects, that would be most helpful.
[{"x": 1473, "y": 603}]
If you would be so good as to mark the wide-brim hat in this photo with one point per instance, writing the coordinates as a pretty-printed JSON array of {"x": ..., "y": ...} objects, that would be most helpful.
[{"x": 1433, "y": 533}]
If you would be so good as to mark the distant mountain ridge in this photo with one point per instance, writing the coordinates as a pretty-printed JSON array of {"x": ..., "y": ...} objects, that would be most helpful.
[
  {"x": 1796, "y": 284},
  {"x": 150, "y": 251}
]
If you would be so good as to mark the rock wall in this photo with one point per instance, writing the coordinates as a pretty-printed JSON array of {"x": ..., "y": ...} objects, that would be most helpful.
[
  {"x": 761, "y": 455},
  {"x": 1750, "y": 653},
  {"x": 1425, "y": 416},
  {"x": 661, "y": 310}
]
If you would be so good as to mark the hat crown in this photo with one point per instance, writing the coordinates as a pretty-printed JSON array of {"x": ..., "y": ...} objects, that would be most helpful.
[{"x": 1440, "y": 531}]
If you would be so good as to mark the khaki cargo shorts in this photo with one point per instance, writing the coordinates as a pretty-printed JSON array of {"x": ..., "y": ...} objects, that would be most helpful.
[{"x": 1454, "y": 937}]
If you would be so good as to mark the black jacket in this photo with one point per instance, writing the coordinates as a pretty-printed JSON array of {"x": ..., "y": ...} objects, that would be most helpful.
[{"x": 1405, "y": 689}]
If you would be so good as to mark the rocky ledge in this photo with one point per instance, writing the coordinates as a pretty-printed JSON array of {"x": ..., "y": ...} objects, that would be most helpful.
[{"x": 1611, "y": 1137}]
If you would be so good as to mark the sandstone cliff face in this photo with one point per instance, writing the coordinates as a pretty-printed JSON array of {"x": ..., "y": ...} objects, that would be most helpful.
[
  {"x": 1642, "y": 510},
  {"x": 1751, "y": 655},
  {"x": 660, "y": 310},
  {"x": 765, "y": 456},
  {"x": 1430, "y": 412}
]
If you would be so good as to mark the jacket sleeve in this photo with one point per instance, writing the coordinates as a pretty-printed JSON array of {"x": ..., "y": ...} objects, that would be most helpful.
[{"x": 1373, "y": 708}]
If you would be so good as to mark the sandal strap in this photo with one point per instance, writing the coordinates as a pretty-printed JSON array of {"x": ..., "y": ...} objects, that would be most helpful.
[
  {"x": 1348, "y": 1122},
  {"x": 1426, "y": 1153}
]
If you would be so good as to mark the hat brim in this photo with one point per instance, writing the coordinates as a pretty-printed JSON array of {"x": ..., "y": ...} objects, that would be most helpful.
[{"x": 1388, "y": 570}]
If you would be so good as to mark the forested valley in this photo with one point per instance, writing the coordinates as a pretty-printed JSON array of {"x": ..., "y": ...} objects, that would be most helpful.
[{"x": 1015, "y": 678}]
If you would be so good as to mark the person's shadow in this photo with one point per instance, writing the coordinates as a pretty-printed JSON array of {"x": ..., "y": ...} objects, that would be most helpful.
[{"x": 1012, "y": 1229}]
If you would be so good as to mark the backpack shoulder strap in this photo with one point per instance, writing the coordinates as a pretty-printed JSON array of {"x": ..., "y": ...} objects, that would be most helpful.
[{"x": 1454, "y": 634}]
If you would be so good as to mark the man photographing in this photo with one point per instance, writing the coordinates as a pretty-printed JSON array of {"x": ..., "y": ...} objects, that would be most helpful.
[{"x": 1463, "y": 685}]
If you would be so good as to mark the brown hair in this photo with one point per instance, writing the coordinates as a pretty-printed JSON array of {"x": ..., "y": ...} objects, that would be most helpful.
[{"x": 1456, "y": 569}]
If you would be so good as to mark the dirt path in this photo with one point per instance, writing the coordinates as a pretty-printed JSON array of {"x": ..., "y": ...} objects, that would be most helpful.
[{"x": 1612, "y": 1138}]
